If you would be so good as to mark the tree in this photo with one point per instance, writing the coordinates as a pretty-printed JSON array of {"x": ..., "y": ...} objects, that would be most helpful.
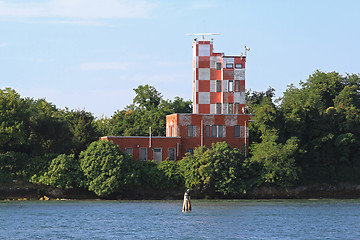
[
  {"x": 181, "y": 106},
  {"x": 106, "y": 167},
  {"x": 277, "y": 160},
  {"x": 147, "y": 97},
  {"x": 322, "y": 114},
  {"x": 13, "y": 121},
  {"x": 82, "y": 128},
  {"x": 49, "y": 131}
]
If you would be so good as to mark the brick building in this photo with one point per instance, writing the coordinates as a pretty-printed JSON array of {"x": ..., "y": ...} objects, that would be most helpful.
[{"x": 218, "y": 111}]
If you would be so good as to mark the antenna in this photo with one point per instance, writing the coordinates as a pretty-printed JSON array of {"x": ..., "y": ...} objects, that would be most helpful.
[
  {"x": 246, "y": 50},
  {"x": 202, "y": 35}
]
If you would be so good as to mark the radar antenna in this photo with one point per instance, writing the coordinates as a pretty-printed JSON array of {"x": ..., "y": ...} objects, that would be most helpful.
[{"x": 202, "y": 35}]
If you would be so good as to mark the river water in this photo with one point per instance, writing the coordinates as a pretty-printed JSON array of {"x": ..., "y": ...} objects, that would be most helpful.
[{"x": 210, "y": 219}]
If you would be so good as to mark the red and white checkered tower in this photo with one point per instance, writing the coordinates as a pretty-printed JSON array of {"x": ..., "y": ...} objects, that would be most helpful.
[{"x": 218, "y": 80}]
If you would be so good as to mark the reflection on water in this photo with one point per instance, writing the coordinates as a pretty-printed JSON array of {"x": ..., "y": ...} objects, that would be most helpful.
[{"x": 212, "y": 219}]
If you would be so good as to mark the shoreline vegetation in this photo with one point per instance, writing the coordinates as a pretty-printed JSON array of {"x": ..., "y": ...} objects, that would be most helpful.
[
  {"x": 305, "y": 144},
  {"x": 20, "y": 191}
]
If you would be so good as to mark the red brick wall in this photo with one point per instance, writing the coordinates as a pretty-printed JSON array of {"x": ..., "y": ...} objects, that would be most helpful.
[
  {"x": 210, "y": 119},
  {"x": 143, "y": 142}
]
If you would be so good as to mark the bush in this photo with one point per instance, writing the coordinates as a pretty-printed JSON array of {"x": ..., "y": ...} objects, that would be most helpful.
[
  {"x": 106, "y": 168},
  {"x": 64, "y": 172},
  {"x": 220, "y": 169}
]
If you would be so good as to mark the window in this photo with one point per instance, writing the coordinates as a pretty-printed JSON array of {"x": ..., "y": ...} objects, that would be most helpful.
[
  {"x": 218, "y": 108},
  {"x": 237, "y": 130},
  {"x": 231, "y": 108},
  {"x": 190, "y": 150},
  {"x": 218, "y": 66},
  {"x": 220, "y": 131},
  {"x": 190, "y": 130},
  {"x": 218, "y": 85},
  {"x": 207, "y": 131},
  {"x": 217, "y": 131},
  {"x": 143, "y": 154},
  {"x": 129, "y": 151},
  {"x": 157, "y": 154},
  {"x": 171, "y": 154},
  {"x": 229, "y": 65},
  {"x": 238, "y": 65},
  {"x": 236, "y": 108},
  {"x": 214, "y": 131},
  {"x": 231, "y": 85},
  {"x": 237, "y": 85}
]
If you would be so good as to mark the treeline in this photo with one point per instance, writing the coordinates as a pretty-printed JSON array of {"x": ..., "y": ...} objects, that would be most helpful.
[
  {"x": 312, "y": 133},
  {"x": 309, "y": 135},
  {"x": 34, "y": 132}
]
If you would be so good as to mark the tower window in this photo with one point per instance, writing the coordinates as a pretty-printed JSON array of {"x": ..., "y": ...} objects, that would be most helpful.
[
  {"x": 218, "y": 85},
  {"x": 217, "y": 131},
  {"x": 190, "y": 130},
  {"x": 237, "y": 85},
  {"x": 229, "y": 65},
  {"x": 218, "y": 108},
  {"x": 220, "y": 131},
  {"x": 239, "y": 65},
  {"x": 237, "y": 131},
  {"x": 214, "y": 131},
  {"x": 207, "y": 131},
  {"x": 231, "y": 108},
  {"x": 237, "y": 108},
  {"x": 218, "y": 66},
  {"x": 231, "y": 85}
]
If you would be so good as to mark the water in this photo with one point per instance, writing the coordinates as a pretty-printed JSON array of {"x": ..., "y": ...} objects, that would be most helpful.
[{"x": 213, "y": 219}]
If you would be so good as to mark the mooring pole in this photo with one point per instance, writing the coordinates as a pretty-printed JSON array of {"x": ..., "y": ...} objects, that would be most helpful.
[{"x": 187, "y": 203}]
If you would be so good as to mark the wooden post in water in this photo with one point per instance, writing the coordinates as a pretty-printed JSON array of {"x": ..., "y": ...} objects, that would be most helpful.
[{"x": 187, "y": 203}]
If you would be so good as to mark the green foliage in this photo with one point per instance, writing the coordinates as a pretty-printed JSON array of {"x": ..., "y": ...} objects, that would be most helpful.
[
  {"x": 82, "y": 128},
  {"x": 181, "y": 106},
  {"x": 37, "y": 166},
  {"x": 147, "y": 97},
  {"x": 64, "y": 172},
  {"x": 165, "y": 175},
  {"x": 277, "y": 160},
  {"x": 11, "y": 166},
  {"x": 49, "y": 131},
  {"x": 13, "y": 116},
  {"x": 311, "y": 134},
  {"x": 220, "y": 169},
  {"x": 149, "y": 109},
  {"x": 106, "y": 167},
  {"x": 171, "y": 172}
]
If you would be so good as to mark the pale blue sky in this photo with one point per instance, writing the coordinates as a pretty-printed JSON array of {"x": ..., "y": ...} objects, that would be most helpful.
[{"x": 90, "y": 54}]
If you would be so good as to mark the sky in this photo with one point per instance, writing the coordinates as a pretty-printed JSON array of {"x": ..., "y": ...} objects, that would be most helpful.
[{"x": 91, "y": 54}]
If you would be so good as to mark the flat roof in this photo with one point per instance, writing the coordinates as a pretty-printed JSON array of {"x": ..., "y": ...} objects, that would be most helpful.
[{"x": 137, "y": 137}]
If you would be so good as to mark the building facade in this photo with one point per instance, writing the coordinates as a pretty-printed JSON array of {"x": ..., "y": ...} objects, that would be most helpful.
[
  {"x": 218, "y": 81},
  {"x": 219, "y": 112}
]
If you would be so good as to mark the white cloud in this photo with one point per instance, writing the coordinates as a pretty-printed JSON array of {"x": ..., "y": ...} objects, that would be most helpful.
[
  {"x": 77, "y": 9},
  {"x": 3, "y": 45},
  {"x": 83, "y": 23},
  {"x": 96, "y": 66}
]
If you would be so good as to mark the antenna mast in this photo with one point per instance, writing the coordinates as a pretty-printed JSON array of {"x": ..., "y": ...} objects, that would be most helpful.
[{"x": 202, "y": 35}]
